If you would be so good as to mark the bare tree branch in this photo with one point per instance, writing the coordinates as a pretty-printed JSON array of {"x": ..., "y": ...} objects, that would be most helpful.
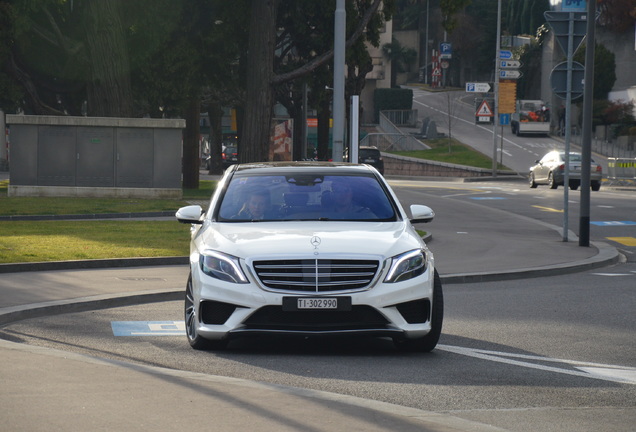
[{"x": 324, "y": 58}]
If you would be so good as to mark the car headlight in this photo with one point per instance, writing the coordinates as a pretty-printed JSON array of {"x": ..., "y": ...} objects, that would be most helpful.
[
  {"x": 406, "y": 266},
  {"x": 222, "y": 267}
]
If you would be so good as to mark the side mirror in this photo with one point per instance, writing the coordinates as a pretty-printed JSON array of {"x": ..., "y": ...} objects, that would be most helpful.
[
  {"x": 190, "y": 214},
  {"x": 421, "y": 214}
]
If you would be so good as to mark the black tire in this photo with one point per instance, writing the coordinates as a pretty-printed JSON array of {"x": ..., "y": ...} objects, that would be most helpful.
[
  {"x": 533, "y": 184},
  {"x": 574, "y": 185},
  {"x": 195, "y": 340},
  {"x": 553, "y": 184},
  {"x": 596, "y": 186},
  {"x": 429, "y": 342}
]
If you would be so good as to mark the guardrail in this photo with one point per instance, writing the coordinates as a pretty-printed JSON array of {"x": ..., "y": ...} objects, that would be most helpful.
[
  {"x": 621, "y": 168},
  {"x": 405, "y": 118}
]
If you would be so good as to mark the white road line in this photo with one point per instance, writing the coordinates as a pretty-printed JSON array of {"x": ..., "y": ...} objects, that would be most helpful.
[{"x": 612, "y": 373}]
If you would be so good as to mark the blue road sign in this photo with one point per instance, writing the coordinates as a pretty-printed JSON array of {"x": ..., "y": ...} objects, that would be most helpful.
[
  {"x": 445, "y": 50},
  {"x": 573, "y": 5},
  {"x": 505, "y": 54},
  {"x": 504, "y": 119}
]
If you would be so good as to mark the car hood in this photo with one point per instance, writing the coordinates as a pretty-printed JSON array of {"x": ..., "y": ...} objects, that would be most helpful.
[{"x": 308, "y": 239}]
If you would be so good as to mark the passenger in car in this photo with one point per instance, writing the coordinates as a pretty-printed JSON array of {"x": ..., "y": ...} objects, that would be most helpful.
[
  {"x": 343, "y": 204},
  {"x": 257, "y": 206}
]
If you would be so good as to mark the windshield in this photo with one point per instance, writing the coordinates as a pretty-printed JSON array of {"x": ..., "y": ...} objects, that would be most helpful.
[{"x": 305, "y": 196}]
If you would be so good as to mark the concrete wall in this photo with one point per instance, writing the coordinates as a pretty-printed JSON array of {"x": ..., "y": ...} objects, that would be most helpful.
[
  {"x": 413, "y": 167},
  {"x": 95, "y": 157}
]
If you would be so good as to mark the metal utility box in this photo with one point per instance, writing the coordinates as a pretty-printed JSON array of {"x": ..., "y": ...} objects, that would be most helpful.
[{"x": 88, "y": 156}]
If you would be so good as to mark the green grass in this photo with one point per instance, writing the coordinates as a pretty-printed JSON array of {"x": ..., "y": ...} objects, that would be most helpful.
[
  {"x": 458, "y": 153},
  {"x": 81, "y": 240},
  {"x": 21, "y": 206},
  {"x": 37, "y": 241}
]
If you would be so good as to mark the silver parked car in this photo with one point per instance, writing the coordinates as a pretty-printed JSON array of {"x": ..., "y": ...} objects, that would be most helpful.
[
  {"x": 550, "y": 170},
  {"x": 309, "y": 249}
]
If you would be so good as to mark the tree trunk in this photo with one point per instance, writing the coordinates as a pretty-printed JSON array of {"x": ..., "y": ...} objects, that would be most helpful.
[
  {"x": 215, "y": 113},
  {"x": 324, "y": 114},
  {"x": 109, "y": 90},
  {"x": 191, "y": 160},
  {"x": 260, "y": 96}
]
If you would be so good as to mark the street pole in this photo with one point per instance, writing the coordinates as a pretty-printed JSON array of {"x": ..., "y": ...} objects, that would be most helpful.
[
  {"x": 338, "y": 81},
  {"x": 496, "y": 93},
  {"x": 568, "y": 132},
  {"x": 586, "y": 142},
  {"x": 426, "y": 49}
]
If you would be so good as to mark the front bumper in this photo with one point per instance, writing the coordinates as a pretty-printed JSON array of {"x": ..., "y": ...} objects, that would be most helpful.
[{"x": 399, "y": 310}]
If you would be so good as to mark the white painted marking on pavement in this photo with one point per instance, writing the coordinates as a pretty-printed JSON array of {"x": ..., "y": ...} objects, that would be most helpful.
[{"x": 612, "y": 373}]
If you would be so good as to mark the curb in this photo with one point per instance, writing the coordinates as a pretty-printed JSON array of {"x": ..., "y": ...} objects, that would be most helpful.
[
  {"x": 92, "y": 264},
  {"x": 89, "y": 216}
]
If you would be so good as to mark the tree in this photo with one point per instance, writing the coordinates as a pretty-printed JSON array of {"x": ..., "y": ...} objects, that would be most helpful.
[
  {"x": 604, "y": 69},
  {"x": 261, "y": 77},
  {"x": 109, "y": 91},
  {"x": 401, "y": 58}
]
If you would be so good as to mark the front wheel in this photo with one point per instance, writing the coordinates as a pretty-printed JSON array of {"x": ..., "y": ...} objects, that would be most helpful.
[
  {"x": 191, "y": 319},
  {"x": 429, "y": 342}
]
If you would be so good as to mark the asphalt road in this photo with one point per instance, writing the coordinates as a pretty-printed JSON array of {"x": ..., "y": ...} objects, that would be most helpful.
[
  {"x": 554, "y": 353},
  {"x": 516, "y": 355}
]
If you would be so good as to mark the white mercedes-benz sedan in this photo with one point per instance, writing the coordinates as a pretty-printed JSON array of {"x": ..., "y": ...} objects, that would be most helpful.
[{"x": 309, "y": 249}]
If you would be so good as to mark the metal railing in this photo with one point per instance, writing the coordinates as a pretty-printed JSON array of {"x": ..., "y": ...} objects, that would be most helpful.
[
  {"x": 405, "y": 118},
  {"x": 611, "y": 149},
  {"x": 393, "y": 137}
]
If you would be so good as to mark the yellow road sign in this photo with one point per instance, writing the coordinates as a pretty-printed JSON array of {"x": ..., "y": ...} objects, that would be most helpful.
[{"x": 507, "y": 96}]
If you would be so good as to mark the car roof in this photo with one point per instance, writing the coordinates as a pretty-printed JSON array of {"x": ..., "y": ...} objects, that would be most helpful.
[{"x": 344, "y": 168}]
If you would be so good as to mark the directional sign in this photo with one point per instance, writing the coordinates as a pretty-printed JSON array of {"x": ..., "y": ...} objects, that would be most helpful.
[
  {"x": 505, "y": 54},
  {"x": 507, "y": 96},
  {"x": 509, "y": 64},
  {"x": 477, "y": 87},
  {"x": 504, "y": 119},
  {"x": 509, "y": 74}
]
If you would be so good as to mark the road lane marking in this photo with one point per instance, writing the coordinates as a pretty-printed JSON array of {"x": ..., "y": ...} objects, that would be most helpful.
[
  {"x": 148, "y": 328},
  {"x": 612, "y": 373},
  {"x": 625, "y": 241},
  {"x": 548, "y": 209},
  {"x": 613, "y": 223}
]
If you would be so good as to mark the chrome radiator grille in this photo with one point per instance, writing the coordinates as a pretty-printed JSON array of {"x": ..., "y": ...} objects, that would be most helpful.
[{"x": 316, "y": 275}]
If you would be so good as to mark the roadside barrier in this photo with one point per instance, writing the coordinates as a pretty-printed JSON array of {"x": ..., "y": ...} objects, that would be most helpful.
[{"x": 621, "y": 169}]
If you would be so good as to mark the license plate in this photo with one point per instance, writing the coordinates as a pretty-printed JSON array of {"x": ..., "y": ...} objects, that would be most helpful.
[
  {"x": 369, "y": 160},
  {"x": 316, "y": 303}
]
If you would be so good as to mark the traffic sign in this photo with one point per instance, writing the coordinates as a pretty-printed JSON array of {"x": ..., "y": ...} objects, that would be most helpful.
[
  {"x": 509, "y": 74},
  {"x": 507, "y": 96},
  {"x": 505, "y": 54},
  {"x": 477, "y": 87},
  {"x": 504, "y": 119},
  {"x": 484, "y": 110},
  {"x": 558, "y": 80},
  {"x": 437, "y": 72},
  {"x": 509, "y": 64},
  {"x": 445, "y": 50},
  {"x": 560, "y": 24},
  {"x": 573, "y": 5}
]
